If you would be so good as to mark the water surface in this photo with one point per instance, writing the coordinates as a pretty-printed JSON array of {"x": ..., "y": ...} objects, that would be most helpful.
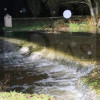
[{"x": 33, "y": 73}]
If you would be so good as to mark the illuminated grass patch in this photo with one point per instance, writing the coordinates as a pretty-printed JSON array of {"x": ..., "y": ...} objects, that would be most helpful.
[{"x": 22, "y": 96}]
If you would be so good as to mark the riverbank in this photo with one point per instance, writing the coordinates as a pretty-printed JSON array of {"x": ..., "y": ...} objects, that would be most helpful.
[
  {"x": 56, "y": 26},
  {"x": 93, "y": 80}
]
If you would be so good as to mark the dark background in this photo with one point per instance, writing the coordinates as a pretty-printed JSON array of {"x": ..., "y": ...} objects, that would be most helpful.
[{"x": 14, "y": 8}]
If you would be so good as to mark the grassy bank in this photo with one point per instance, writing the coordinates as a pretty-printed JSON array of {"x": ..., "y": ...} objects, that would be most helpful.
[
  {"x": 22, "y": 96},
  {"x": 57, "y": 25}
]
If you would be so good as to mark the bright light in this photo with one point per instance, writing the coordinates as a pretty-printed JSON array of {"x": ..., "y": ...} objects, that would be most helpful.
[{"x": 67, "y": 14}]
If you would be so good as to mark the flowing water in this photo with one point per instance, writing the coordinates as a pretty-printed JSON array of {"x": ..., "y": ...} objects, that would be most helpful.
[{"x": 58, "y": 77}]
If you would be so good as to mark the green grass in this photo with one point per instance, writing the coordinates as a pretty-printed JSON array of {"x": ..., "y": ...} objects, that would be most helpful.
[
  {"x": 93, "y": 80},
  {"x": 29, "y": 27},
  {"x": 74, "y": 27},
  {"x": 25, "y": 28},
  {"x": 58, "y": 24},
  {"x": 80, "y": 27},
  {"x": 22, "y": 96}
]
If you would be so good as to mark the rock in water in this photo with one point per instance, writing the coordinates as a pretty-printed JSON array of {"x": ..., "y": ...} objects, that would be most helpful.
[{"x": 24, "y": 50}]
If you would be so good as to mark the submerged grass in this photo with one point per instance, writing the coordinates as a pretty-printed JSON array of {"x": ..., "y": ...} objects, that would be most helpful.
[{"x": 21, "y": 96}]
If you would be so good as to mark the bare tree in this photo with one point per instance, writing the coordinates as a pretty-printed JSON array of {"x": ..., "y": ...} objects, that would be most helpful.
[
  {"x": 93, "y": 15},
  {"x": 97, "y": 2}
]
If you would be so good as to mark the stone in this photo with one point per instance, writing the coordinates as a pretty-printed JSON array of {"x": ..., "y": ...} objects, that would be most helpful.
[
  {"x": 8, "y": 20},
  {"x": 24, "y": 50}
]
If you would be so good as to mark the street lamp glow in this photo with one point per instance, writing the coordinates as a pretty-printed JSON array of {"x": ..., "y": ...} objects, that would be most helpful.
[{"x": 67, "y": 14}]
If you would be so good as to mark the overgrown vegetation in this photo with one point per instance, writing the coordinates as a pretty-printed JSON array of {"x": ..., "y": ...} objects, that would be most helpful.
[
  {"x": 93, "y": 80},
  {"x": 21, "y": 96}
]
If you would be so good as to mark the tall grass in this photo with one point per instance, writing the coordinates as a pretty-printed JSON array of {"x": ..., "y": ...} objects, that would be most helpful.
[{"x": 85, "y": 25}]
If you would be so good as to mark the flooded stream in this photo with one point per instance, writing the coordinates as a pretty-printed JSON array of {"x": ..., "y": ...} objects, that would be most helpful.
[{"x": 33, "y": 73}]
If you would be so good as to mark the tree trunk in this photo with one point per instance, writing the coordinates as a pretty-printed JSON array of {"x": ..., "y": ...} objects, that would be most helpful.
[
  {"x": 98, "y": 23},
  {"x": 98, "y": 15},
  {"x": 97, "y": 8},
  {"x": 92, "y": 12}
]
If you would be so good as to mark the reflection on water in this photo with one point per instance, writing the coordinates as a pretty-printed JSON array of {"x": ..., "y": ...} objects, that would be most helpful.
[
  {"x": 33, "y": 73},
  {"x": 78, "y": 44}
]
